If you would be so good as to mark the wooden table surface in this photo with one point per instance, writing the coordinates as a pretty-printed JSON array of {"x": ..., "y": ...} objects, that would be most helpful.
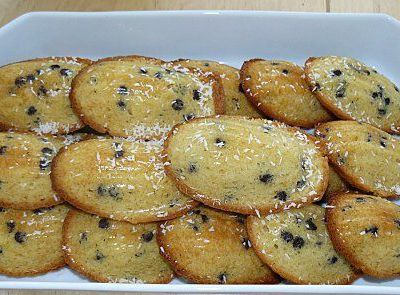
[{"x": 10, "y": 9}]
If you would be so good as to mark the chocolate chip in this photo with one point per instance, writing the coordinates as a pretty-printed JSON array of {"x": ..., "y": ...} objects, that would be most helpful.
[
  {"x": 101, "y": 190},
  {"x": 42, "y": 91},
  {"x": 301, "y": 183},
  {"x": 47, "y": 151},
  {"x": 204, "y": 218},
  {"x": 93, "y": 80},
  {"x": 241, "y": 88},
  {"x": 158, "y": 75},
  {"x": 19, "y": 81},
  {"x": 119, "y": 154},
  {"x": 123, "y": 90},
  {"x": 372, "y": 230},
  {"x": 298, "y": 220},
  {"x": 222, "y": 278},
  {"x": 332, "y": 260},
  {"x": 383, "y": 142},
  {"x": 44, "y": 164},
  {"x": 121, "y": 104},
  {"x": 189, "y": 116},
  {"x": 382, "y": 112},
  {"x": 177, "y": 104},
  {"x": 83, "y": 237},
  {"x": 246, "y": 243},
  {"x": 196, "y": 95},
  {"x": 317, "y": 87},
  {"x": 397, "y": 222},
  {"x": 337, "y": 72},
  {"x": 147, "y": 237},
  {"x": 1, "y": 250},
  {"x": 286, "y": 236},
  {"x": 3, "y": 149},
  {"x": 10, "y": 226},
  {"x": 266, "y": 178},
  {"x": 54, "y": 67},
  {"x": 192, "y": 168},
  {"x": 282, "y": 196},
  {"x": 118, "y": 149},
  {"x": 387, "y": 100},
  {"x": 375, "y": 94},
  {"x": 266, "y": 128},
  {"x": 195, "y": 228},
  {"x": 369, "y": 138},
  {"x": 38, "y": 211},
  {"x": 20, "y": 237},
  {"x": 196, "y": 211},
  {"x": 99, "y": 255},
  {"x": 319, "y": 243},
  {"x": 39, "y": 72},
  {"x": 240, "y": 219},
  {"x": 138, "y": 254},
  {"x": 30, "y": 78},
  {"x": 310, "y": 225},
  {"x": 285, "y": 72},
  {"x": 143, "y": 71},
  {"x": 360, "y": 200},
  {"x": 113, "y": 192},
  {"x": 3, "y": 209},
  {"x": 219, "y": 142},
  {"x": 341, "y": 89},
  {"x": 31, "y": 110},
  {"x": 367, "y": 72},
  {"x": 304, "y": 164},
  {"x": 298, "y": 242},
  {"x": 66, "y": 72},
  {"x": 345, "y": 208},
  {"x": 104, "y": 223},
  {"x": 396, "y": 88},
  {"x": 37, "y": 121}
]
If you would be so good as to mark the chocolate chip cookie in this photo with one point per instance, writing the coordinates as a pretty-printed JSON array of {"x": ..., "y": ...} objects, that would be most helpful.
[
  {"x": 111, "y": 251},
  {"x": 296, "y": 245},
  {"x": 34, "y": 95},
  {"x": 208, "y": 246}
]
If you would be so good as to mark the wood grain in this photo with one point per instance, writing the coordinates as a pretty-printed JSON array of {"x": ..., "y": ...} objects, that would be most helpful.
[{"x": 10, "y": 9}]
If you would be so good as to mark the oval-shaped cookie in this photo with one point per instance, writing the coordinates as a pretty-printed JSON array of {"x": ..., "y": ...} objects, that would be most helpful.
[
  {"x": 34, "y": 95},
  {"x": 111, "y": 251},
  {"x": 25, "y": 162},
  {"x": 236, "y": 103},
  {"x": 245, "y": 165},
  {"x": 120, "y": 179},
  {"x": 208, "y": 246},
  {"x": 363, "y": 155},
  {"x": 336, "y": 183},
  {"x": 354, "y": 91},
  {"x": 279, "y": 90},
  {"x": 296, "y": 245},
  {"x": 30, "y": 241},
  {"x": 141, "y": 97},
  {"x": 366, "y": 231}
]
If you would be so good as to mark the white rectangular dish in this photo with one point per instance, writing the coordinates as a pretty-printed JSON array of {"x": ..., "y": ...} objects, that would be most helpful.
[{"x": 227, "y": 36}]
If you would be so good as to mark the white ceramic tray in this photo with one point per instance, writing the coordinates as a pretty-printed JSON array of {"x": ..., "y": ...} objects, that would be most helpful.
[{"x": 226, "y": 36}]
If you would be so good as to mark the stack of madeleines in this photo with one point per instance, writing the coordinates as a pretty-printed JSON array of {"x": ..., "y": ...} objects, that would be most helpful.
[{"x": 131, "y": 169}]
